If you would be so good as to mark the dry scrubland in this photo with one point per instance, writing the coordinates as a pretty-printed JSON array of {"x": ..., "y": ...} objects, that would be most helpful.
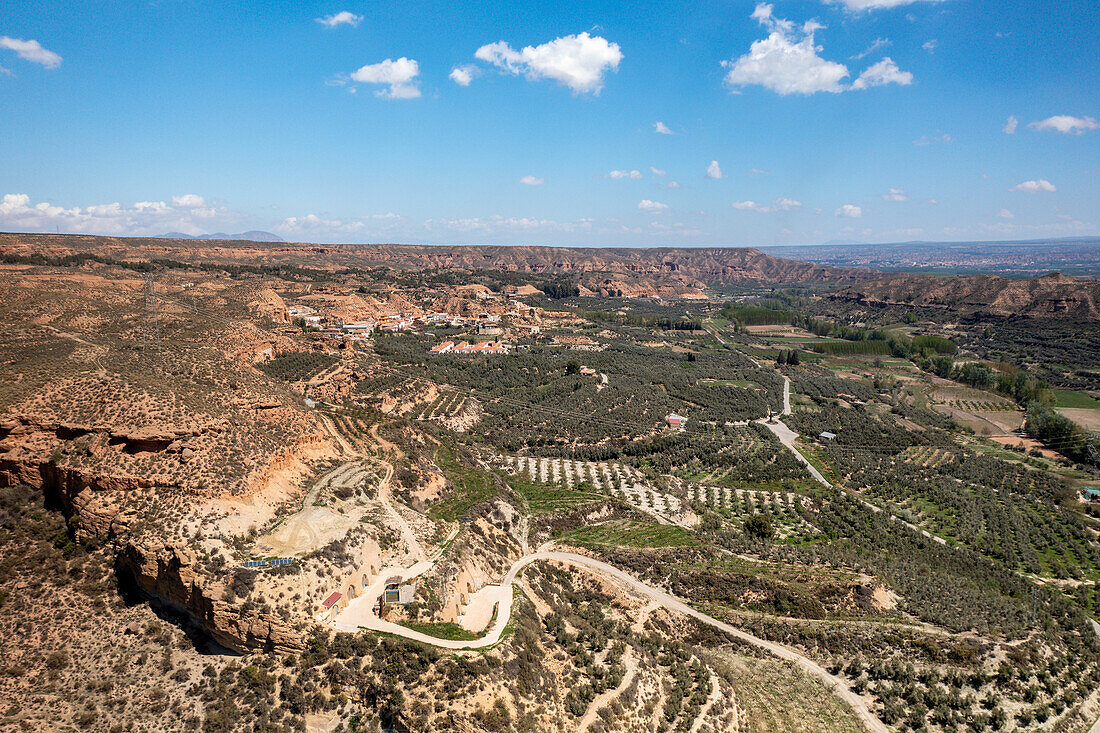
[{"x": 149, "y": 447}]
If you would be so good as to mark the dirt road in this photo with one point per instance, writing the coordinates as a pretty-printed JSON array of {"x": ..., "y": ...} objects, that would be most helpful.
[{"x": 360, "y": 614}]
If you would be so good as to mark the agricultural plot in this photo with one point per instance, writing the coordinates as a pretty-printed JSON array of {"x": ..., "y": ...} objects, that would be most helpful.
[
  {"x": 355, "y": 429},
  {"x": 982, "y": 405},
  {"x": 740, "y": 504},
  {"x": 616, "y": 479},
  {"x": 447, "y": 404},
  {"x": 927, "y": 456}
]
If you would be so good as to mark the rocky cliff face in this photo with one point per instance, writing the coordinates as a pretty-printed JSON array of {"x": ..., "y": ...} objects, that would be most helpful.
[
  {"x": 1048, "y": 296},
  {"x": 170, "y": 574},
  {"x": 669, "y": 267},
  {"x": 105, "y": 507}
]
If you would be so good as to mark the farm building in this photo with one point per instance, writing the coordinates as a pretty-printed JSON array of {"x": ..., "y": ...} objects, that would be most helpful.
[
  {"x": 396, "y": 593},
  {"x": 676, "y": 421},
  {"x": 826, "y": 435},
  {"x": 331, "y": 606}
]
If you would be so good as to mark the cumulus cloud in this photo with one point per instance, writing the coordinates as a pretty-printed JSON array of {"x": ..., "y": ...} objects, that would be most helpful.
[
  {"x": 849, "y": 211},
  {"x": 1005, "y": 214},
  {"x": 714, "y": 170},
  {"x": 1066, "y": 124},
  {"x": 532, "y": 181},
  {"x": 399, "y": 77},
  {"x": 31, "y": 51},
  {"x": 463, "y": 75},
  {"x": 578, "y": 62},
  {"x": 1034, "y": 186},
  {"x": 319, "y": 226},
  {"x": 857, "y": 6},
  {"x": 787, "y": 61},
  {"x": 662, "y": 128},
  {"x": 188, "y": 213},
  {"x": 344, "y": 17},
  {"x": 882, "y": 73},
  {"x": 930, "y": 46},
  {"x": 780, "y": 204},
  {"x": 1011, "y": 124},
  {"x": 188, "y": 201},
  {"x": 634, "y": 175},
  {"x": 895, "y": 194},
  {"x": 652, "y": 207},
  {"x": 657, "y": 171}
]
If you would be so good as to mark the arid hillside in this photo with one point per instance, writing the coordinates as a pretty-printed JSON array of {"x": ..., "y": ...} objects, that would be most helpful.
[
  {"x": 593, "y": 268},
  {"x": 1053, "y": 295}
]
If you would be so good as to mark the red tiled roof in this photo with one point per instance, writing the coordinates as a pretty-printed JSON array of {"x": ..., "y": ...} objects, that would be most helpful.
[{"x": 331, "y": 600}]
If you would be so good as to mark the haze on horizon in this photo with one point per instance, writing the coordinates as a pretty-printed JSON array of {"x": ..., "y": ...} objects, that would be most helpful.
[{"x": 735, "y": 124}]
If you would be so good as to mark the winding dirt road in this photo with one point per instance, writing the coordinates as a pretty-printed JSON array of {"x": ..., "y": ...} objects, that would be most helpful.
[{"x": 360, "y": 614}]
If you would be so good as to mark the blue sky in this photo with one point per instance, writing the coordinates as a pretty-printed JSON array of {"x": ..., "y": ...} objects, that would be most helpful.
[{"x": 783, "y": 123}]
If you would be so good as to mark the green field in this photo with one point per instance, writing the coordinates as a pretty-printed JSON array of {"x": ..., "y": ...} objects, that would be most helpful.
[
  {"x": 469, "y": 486},
  {"x": 631, "y": 534},
  {"x": 543, "y": 498},
  {"x": 441, "y": 630},
  {"x": 1073, "y": 399}
]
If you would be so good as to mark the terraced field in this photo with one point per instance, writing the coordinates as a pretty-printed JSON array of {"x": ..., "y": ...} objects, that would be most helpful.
[
  {"x": 738, "y": 505},
  {"x": 926, "y": 456},
  {"x": 447, "y": 404},
  {"x": 617, "y": 479}
]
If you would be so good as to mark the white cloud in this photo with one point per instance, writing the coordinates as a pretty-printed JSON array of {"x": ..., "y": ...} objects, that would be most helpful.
[
  {"x": 895, "y": 194},
  {"x": 189, "y": 213},
  {"x": 657, "y": 171},
  {"x": 632, "y": 175},
  {"x": 31, "y": 51},
  {"x": 758, "y": 172},
  {"x": 188, "y": 201},
  {"x": 1005, "y": 214},
  {"x": 1034, "y": 186},
  {"x": 1010, "y": 125},
  {"x": 882, "y": 73},
  {"x": 849, "y": 211},
  {"x": 317, "y": 226},
  {"x": 930, "y": 46},
  {"x": 1066, "y": 124},
  {"x": 864, "y": 5},
  {"x": 714, "y": 170},
  {"x": 672, "y": 184},
  {"x": 780, "y": 204},
  {"x": 463, "y": 75},
  {"x": 344, "y": 17},
  {"x": 399, "y": 76},
  {"x": 787, "y": 61},
  {"x": 532, "y": 181},
  {"x": 578, "y": 62},
  {"x": 926, "y": 140},
  {"x": 662, "y": 128},
  {"x": 875, "y": 45},
  {"x": 653, "y": 207}
]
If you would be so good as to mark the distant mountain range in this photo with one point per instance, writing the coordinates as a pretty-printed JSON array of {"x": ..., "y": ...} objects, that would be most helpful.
[{"x": 249, "y": 236}]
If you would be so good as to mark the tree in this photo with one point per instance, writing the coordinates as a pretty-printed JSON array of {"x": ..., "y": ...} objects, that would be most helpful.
[
  {"x": 792, "y": 358},
  {"x": 572, "y": 367},
  {"x": 781, "y": 359},
  {"x": 759, "y": 526}
]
